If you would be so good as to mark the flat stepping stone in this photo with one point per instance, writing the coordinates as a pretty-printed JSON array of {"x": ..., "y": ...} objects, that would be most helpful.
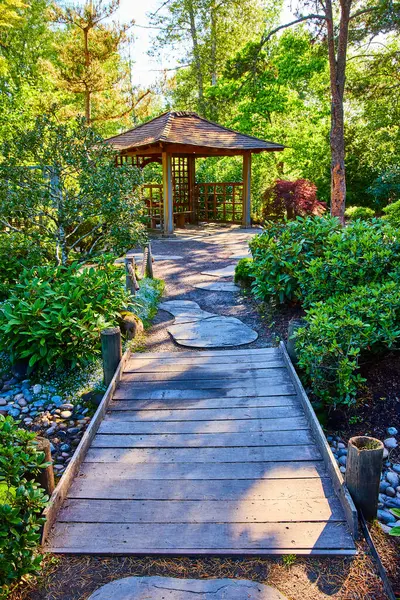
[
  {"x": 185, "y": 311},
  {"x": 217, "y": 286},
  {"x": 170, "y": 588},
  {"x": 213, "y": 332},
  {"x": 228, "y": 271}
]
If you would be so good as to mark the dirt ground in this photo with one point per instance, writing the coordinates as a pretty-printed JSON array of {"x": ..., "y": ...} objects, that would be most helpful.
[{"x": 75, "y": 578}]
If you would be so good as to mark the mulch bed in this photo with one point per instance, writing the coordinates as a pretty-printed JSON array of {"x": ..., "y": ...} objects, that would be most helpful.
[{"x": 76, "y": 578}]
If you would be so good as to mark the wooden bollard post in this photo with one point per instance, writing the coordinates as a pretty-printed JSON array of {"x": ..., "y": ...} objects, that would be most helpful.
[
  {"x": 130, "y": 277},
  {"x": 111, "y": 351},
  {"x": 149, "y": 262},
  {"x": 294, "y": 325},
  {"x": 46, "y": 476},
  {"x": 363, "y": 473}
]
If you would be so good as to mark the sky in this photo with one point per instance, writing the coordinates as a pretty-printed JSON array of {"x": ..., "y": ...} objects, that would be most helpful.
[{"x": 145, "y": 69}]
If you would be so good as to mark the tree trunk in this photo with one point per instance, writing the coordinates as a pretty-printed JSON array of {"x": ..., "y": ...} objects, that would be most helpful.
[
  {"x": 337, "y": 70},
  {"x": 213, "y": 44},
  {"x": 88, "y": 104},
  {"x": 196, "y": 56}
]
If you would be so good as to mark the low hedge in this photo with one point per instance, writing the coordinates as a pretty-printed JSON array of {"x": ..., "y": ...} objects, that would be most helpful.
[
  {"x": 21, "y": 504},
  {"x": 54, "y": 315},
  {"x": 346, "y": 279},
  {"x": 362, "y": 213},
  {"x": 340, "y": 330}
]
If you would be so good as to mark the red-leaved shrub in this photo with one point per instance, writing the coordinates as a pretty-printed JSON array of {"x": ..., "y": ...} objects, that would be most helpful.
[{"x": 291, "y": 199}]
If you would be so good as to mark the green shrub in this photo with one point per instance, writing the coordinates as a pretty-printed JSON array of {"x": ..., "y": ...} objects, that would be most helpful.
[
  {"x": 392, "y": 214},
  {"x": 18, "y": 252},
  {"x": 358, "y": 254},
  {"x": 244, "y": 272},
  {"x": 359, "y": 212},
  {"x": 21, "y": 504},
  {"x": 282, "y": 252},
  {"x": 54, "y": 315},
  {"x": 339, "y": 330}
]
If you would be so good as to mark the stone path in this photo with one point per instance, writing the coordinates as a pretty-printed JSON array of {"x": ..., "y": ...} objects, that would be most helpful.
[
  {"x": 169, "y": 588},
  {"x": 197, "y": 328},
  {"x": 218, "y": 286},
  {"x": 208, "y": 249}
]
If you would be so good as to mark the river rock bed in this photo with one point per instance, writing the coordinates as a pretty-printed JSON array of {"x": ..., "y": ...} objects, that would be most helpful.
[
  {"x": 389, "y": 489},
  {"x": 49, "y": 411}
]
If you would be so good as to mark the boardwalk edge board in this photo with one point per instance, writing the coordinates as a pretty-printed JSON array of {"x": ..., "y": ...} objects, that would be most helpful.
[
  {"x": 341, "y": 490},
  {"x": 60, "y": 493}
]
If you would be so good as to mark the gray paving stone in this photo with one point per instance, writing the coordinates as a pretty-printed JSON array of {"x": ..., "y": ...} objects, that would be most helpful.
[
  {"x": 228, "y": 271},
  {"x": 213, "y": 332},
  {"x": 197, "y": 328},
  {"x": 168, "y": 588},
  {"x": 217, "y": 286}
]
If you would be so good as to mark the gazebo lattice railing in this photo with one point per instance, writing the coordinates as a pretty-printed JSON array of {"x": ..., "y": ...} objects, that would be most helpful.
[
  {"x": 175, "y": 140},
  {"x": 212, "y": 202}
]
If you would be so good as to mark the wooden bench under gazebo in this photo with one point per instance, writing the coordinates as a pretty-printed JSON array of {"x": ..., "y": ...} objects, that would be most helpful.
[{"x": 175, "y": 140}]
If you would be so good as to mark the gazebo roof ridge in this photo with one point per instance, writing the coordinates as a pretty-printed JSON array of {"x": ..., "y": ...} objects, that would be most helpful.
[{"x": 187, "y": 128}]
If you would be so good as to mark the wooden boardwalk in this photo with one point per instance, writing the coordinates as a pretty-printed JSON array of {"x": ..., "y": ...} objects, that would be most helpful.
[{"x": 212, "y": 452}]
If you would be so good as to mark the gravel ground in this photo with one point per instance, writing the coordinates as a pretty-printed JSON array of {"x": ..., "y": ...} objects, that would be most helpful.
[{"x": 202, "y": 250}]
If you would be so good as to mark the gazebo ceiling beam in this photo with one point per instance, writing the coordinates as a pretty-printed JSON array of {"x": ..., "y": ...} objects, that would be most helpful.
[{"x": 196, "y": 151}]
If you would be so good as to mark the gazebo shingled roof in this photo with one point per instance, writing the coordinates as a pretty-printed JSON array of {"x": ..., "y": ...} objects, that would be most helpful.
[
  {"x": 176, "y": 139},
  {"x": 188, "y": 128}
]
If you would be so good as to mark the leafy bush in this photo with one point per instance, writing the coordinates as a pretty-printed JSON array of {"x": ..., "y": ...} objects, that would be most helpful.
[
  {"x": 21, "y": 504},
  {"x": 144, "y": 304},
  {"x": 282, "y": 252},
  {"x": 54, "y": 315},
  {"x": 359, "y": 254},
  {"x": 359, "y": 212},
  {"x": 244, "y": 272},
  {"x": 339, "y": 330},
  {"x": 392, "y": 214},
  {"x": 18, "y": 252},
  {"x": 291, "y": 199},
  {"x": 386, "y": 187},
  {"x": 347, "y": 278}
]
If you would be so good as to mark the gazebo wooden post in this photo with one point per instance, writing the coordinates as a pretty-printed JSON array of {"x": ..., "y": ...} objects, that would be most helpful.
[
  {"x": 194, "y": 217},
  {"x": 246, "y": 189},
  {"x": 167, "y": 193}
]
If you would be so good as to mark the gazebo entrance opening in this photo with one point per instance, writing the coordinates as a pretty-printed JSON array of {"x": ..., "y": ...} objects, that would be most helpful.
[
  {"x": 175, "y": 140},
  {"x": 210, "y": 202}
]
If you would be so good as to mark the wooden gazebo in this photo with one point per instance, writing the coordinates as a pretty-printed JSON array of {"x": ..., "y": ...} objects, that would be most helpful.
[{"x": 175, "y": 140}]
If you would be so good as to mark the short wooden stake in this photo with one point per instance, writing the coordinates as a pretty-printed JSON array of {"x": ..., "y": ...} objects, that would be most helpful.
[
  {"x": 46, "y": 476},
  {"x": 294, "y": 325},
  {"x": 130, "y": 276},
  {"x": 111, "y": 351},
  {"x": 363, "y": 473},
  {"x": 149, "y": 262}
]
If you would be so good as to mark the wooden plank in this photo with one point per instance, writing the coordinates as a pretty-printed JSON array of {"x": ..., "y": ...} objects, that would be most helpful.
[
  {"x": 202, "y": 489},
  {"x": 192, "y": 374},
  {"x": 275, "y": 377},
  {"x": 113, "y": 425},
  {"x": 187, "y": 403},
  {"x": 130, "y": 391},
  {"x": 216, "y": 363},
  {"x": 204, "y": 440},
  {"x": 331, "y": 464},
  {"x": 209, "y": 538},
  {"x": 217, "y": 414},
  {"x": 204, "y": 511},
  {"x": 248, "y": 352},
  {"x": 60, "y": 493},
  {"x": 240, "y": 470},
  {"x": 198, "y": 455}
]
